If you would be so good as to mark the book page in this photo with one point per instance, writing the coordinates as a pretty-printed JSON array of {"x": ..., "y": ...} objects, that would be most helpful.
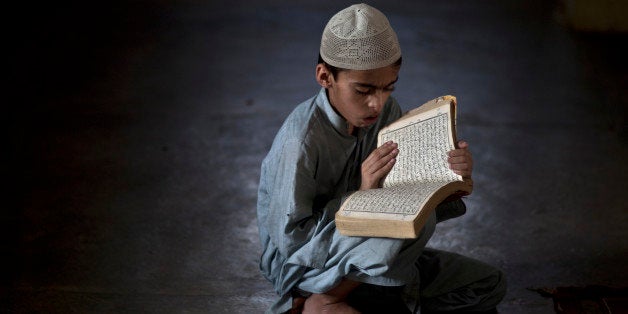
[
  {"x": 402, "y": 199},
  {"x": 423, "y": 147}
]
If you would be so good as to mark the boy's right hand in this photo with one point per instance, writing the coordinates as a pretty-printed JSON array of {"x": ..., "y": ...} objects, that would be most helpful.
[{"x": 377, "y": 165}]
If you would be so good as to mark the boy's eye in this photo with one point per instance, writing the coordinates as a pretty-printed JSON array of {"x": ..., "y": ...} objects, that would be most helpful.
[{"x": 370, "y": 91}]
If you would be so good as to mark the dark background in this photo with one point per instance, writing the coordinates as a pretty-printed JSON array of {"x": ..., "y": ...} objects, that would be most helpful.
[{"x": 134, "y": 132}]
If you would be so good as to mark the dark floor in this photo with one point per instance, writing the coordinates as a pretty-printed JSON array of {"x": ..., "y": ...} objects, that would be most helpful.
[{"x": 134, "y": 135}]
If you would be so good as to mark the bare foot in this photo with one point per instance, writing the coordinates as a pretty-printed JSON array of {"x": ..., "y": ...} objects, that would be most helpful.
[
  {"x": 297, "y": 305},
  {"x": 323, "y": 303}
]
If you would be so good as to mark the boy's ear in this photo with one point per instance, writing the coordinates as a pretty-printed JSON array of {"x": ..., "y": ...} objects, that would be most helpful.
[{"x": 323, "y": 76}]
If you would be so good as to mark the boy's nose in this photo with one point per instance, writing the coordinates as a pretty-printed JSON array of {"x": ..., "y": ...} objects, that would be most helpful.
[{"x": 377, "y": 102}]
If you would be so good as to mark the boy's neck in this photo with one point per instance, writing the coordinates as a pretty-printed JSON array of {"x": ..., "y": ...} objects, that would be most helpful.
[{"x": 352, "y": 130}]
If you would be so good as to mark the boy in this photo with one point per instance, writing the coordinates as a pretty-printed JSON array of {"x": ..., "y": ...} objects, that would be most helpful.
[{"x": 326, "y": 149}]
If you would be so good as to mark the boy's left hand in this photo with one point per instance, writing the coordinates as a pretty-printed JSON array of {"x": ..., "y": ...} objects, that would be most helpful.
[{"x": 460, "y": 160}]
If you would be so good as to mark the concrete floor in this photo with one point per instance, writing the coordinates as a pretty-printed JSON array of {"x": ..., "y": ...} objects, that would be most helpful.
[{"x": 135, "y": 134}]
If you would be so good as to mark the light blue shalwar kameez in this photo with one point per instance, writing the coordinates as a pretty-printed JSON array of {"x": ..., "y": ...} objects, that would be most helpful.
[{"x": 312, "y": 166}]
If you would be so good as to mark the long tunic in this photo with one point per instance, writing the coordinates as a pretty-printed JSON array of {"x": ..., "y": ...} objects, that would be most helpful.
[{"x": 311, "y": 167}]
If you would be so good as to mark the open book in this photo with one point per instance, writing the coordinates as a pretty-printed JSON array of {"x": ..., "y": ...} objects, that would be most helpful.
[{"x": 419, "y": 181}]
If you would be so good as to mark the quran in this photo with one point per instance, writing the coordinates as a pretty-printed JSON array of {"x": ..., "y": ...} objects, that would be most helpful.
[{"x": 419, "y": 181}]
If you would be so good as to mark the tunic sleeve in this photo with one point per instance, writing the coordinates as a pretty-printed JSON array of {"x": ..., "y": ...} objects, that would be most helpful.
[{"x": 294, "y": 226}]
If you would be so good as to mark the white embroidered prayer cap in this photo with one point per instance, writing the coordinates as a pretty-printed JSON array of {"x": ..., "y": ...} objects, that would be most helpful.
[{"x": 359, "y": 38}]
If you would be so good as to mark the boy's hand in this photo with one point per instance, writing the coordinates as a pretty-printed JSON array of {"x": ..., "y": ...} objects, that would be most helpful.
[
  {"x": 460, "y": 160},
  {"x": 377, "y": 165}
]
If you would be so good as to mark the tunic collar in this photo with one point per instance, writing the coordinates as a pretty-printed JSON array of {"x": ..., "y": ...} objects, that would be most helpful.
[{"x": 338, "y": 122}]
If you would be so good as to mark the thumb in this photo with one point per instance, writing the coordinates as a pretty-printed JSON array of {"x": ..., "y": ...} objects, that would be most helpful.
[{"x": 463, "y": 144}]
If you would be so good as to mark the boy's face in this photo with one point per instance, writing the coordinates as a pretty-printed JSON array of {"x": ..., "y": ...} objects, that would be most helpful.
[{"x": 359, "y": 96}]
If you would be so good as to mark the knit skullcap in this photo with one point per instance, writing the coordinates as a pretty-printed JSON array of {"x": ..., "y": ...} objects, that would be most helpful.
[{"x": 359, "y": 38}]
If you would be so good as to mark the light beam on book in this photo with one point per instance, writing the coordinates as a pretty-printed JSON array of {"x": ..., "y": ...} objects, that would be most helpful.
[{"x": 419, "y": 181}]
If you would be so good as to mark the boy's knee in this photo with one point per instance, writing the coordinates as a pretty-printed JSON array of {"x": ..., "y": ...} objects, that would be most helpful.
[
  {"x": 480, "y": 296},
  {"x": 501, "y": 286},
  {"x": 491, "y": 291}
]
